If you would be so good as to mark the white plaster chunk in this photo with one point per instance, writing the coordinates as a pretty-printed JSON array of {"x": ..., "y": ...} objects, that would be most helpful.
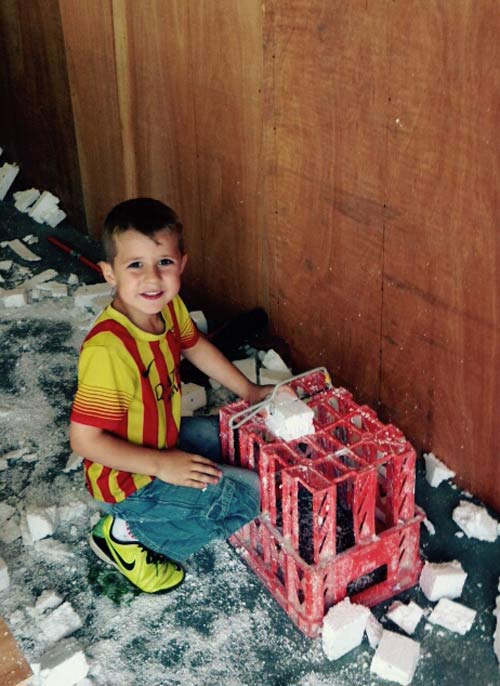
[
  {"x": 373, "y": 630},
  {"x": 40, "y": 278},
  {"x": 30, "y": 239},
  {"x": 73, "y": 280},
  {"x": 289, "y": 418},
  {"x": 475, "y": 521},
  {"x": 29, "y": 457},
  {"x": 453, "y": 616},
  {"x": 248, "y": 367},
  {"x": 496, "y": 635},
  {"x": 200, "y": 320},
  {"x": 54, "y": 550},
  {"x": 41, "y": 521},
  {"x": 6, "y": 265},
  {"x": 85, "y": 296},
  {"x": 6, "y": 511},
  {"x": 4, "y": 575},
  {"x": 343, "y": 628},
  {"x": 47, "y": 600},
  {"x": 75, "y": 510},
  {"x": 274, "y": 362},
  {"x": 267, "y": 376},
  {"x": 10, "y": 531},
  {"x": 63, "y": 665},
  {"x": 60, "y": 623},
  {"x": 396, "y": 658},
  {"x": 22, "y": 251},
  {"x": 406, "y": 617},
  {"x": 435, "y": 470},
  {"x": 44, "y": 207},
  {"x": 54, "y": 216},
  {"x": 442, "y": 580},
  {"x": 24, "y": 199},
  {"x": 54, "y": 289},
  {"x": 429, "y": 526},
  {"x": 73, "y": 462},
  {"x": 8, "y": 173},
  {"x": 193, "y": 397},
  {"x": 14, "y": 297}
]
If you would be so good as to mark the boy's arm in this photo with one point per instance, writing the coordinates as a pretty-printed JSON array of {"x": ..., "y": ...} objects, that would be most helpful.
[
  {"x": 171, "y": 465},
  {"x": 212, "y": 362}
]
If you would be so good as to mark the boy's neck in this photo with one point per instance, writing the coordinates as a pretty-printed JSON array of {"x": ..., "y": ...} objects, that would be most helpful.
[{"x": 154, "y": 323}]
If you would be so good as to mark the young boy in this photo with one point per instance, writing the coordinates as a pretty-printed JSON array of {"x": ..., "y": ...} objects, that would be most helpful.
[{"x": 158, "y": 482}]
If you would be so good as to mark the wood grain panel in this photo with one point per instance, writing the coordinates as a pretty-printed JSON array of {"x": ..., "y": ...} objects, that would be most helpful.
[
  {"x": 36, "y": 119},
  {"x": 441, "y": 339},
  {"x": 326, "y": 182},
  {"x": 227, "y": 76},
  {"x": 90, "y": 47}
]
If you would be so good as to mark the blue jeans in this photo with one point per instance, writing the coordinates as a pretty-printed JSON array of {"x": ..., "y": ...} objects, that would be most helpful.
[{"x": 178, "y": 520}]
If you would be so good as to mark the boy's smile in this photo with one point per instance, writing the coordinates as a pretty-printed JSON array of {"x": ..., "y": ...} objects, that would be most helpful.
[{"x": 146, "y": 275}]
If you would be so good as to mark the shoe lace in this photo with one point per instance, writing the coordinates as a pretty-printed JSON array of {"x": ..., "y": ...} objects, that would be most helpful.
[{"x": 152, "y": 557}]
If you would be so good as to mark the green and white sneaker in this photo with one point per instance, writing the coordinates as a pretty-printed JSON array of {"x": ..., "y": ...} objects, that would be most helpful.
[{"x": 148, "y": 570}]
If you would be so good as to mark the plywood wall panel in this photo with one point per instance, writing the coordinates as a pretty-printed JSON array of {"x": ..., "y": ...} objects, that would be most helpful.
[
  {"x": 325, "y": 210},
  {"x": 227, "y": 80},
  {"x": 441, "y": 280},
  {"x": 36, "y": 120}
]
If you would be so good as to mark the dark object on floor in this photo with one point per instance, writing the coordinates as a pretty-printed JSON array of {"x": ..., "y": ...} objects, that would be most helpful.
[{"x": 229, "y": 338}]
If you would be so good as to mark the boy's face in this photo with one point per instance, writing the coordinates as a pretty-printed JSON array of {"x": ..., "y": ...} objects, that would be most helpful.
[{"x": 146, "y": 274}]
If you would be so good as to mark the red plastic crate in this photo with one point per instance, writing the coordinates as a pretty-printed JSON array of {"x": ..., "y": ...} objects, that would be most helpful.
[{"x": 338, "y": 507}]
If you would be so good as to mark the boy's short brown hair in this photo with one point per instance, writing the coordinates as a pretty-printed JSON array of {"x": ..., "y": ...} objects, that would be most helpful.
[{"x": 145, "y": 215}]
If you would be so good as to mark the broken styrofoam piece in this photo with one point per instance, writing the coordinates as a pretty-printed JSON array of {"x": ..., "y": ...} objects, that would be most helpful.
[
  {"x": 85, "y": 296},
  {"x": 47, "y": 600},
  {"x": 56, "y": 551},
  {"x": 30, "y": 239},
  {"x": 442, "y": 580},
  {"x": 343, "y": 628},
  {"x": 6, "y": 512},
  {"x": 46, "y": 209},
  {"x": 453, "y": 616},
  {"x": 200, "y": 320},
  {"x": 73, "y": 280},
  {"x": 406, "y": 617},
  {"x": 64, "y": 664},
  {"x": 4, "y": 575},
  {"x": 53, "y": 288},
  {"x": 396, "y": 658},
  {"x": 24, "y": 199},
  {"x": 14, "y": 297},
  {"x": 6, "y": 265},
  {"x": 60, "y": 623},
  {"x": 270, "y": 377},
  {"x": 8, "y": 173},
  {"x": 429, "y": 526},
  {"x": 289, "y": 417},
  {"x": 248, "y": 367},
  {"x": 40, "y": 522},
  {"x": 475, "y": 521},
  {"x": 193, "y": 397},
  {"x": 40, "y": 278},
  {"x": 22, "y": 250},
  {"x": 435, "y": 470},
  {"x": 10, "y": 531},
  {"x": 73, "y": 462},
  {"x": 373, "y": 630},
  {"x": 496, "y": 635},
  {"x": 272, "y": 361}
]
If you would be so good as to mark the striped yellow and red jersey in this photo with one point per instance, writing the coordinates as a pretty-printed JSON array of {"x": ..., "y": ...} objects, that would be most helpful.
[{"x": 129, "y": 384}]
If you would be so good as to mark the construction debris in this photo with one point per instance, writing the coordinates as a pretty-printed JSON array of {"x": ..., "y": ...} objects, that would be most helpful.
[
  {"x": 442, "y": 580},
  {"x": 435, "y": 470},
  {"x": 8, "y": 173},
  {"x": 290, "y": 418},
  {"x": 343, "y": 628},
  {"x": 396, "y": 658},
  {"x": 475, "y": 521},
  {"x": 407, "y": 617},
  {"x": 21, "y": 250},
  {"x": 453, "y": 616},
  {"x": 4, "y": 575},
  {"x": 24, "y": 199}
]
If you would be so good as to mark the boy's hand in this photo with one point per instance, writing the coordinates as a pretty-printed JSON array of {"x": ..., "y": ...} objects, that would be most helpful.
[
  {"x": 257, "y": 393},
  {"x": 186, "y": 469}
]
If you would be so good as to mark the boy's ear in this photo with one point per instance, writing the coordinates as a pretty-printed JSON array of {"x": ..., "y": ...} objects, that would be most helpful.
[
  {"x": 183, "y": 262},
  {"x": 107, "y": 272}
]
